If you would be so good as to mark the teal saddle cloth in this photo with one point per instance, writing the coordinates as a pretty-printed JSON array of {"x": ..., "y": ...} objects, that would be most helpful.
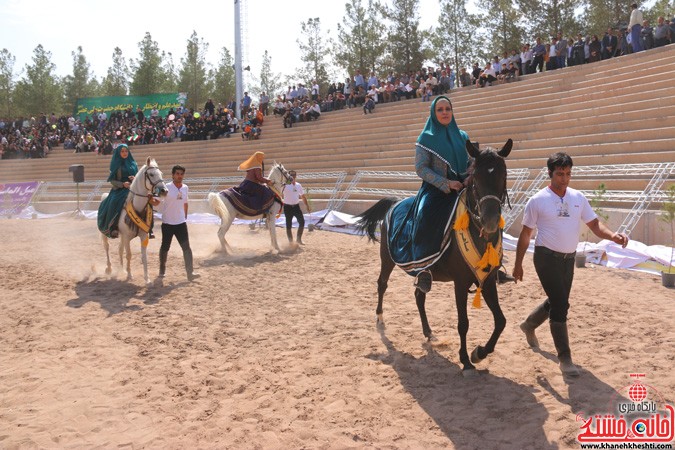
[{"x": 419, "y": 228}]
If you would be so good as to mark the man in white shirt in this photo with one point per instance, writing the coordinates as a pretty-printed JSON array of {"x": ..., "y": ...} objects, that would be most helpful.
[
  {"x": 635, "y": 27},
  {"x": 556, "y": 212},
  {"x": 174, "y": 208},
  {"x": 292, "y": 194}
]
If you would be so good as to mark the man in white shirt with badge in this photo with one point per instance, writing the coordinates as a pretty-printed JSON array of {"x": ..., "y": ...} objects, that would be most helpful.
[
  {"x": 174, "y": 210},
  {"x": 556, "y": 211},
  {"x": 292, "y": 194}
]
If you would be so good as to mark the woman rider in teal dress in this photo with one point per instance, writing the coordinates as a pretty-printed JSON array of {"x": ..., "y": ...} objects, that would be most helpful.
[
  {"x": 418, "y": 225},
  {"x": 123, "y": 169}
]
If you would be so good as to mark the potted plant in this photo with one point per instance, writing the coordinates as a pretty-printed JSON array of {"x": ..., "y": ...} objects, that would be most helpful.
[
  {"x": 668, "y": 216},
  {"x": 596, "y": 201}
]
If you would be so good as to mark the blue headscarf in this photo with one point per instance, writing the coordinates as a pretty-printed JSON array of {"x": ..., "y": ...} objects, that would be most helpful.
[
  {"x": 447, "y": 143},
  {"x": 128, "y": 164}
]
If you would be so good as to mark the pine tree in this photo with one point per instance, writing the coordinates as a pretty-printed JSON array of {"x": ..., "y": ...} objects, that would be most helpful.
[
  {"x": 455, "y": 41},
  {"x": 268, "y": 82},
  {"x": 223, "y": 78},
  {"x": 193, "y": 75},
  {"x": 116, "y": 82},
  {"x": 39, "y": 91},
  {"x": 547, "y": 19},
  {"x": 407, "y": 44},
  {"x": 313, "y": 52},
  {"x": 501, "y": 19},
  {"x": 81, "y": 83},
  {"x": 7, "y": 82},
  {"x": 360, "y": 42},
  {"x": 148, "y": 76}
]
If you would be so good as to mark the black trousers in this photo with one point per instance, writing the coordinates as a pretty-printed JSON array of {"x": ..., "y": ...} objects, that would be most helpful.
[
  {"x": 556, "y": 275},
  {"x": 181, "y": 233},
  {"x": 291, "y": 211}
]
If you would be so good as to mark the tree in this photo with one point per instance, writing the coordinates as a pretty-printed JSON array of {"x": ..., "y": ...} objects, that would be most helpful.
[
  {"x": 80, "y": 84},
  {"x": 148, "y": 75},
  {"x": 547, "y": 19},
  {"x": 116, "y": 82},
  {"x": 193, "y": 75},
  {"x": 222, "y": 85},
  {"x": 170, "y": 82},
  {"x": 39, "y": 90},
  {"x": 455, "y": 40},
  {"x": 502, "y": 21},
  {"x": 360, "y": 44},
  {"x": 406, "y": 42},
  {"x": 313, "y": 52},
  {"x": 599, "y": 15},
  {"x": 269, "y": 81},
  {"x": 7, "y": 82}
]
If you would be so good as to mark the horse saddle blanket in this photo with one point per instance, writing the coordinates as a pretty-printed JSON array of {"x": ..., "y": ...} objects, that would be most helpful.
[
  {"x": 142, "y": 220},
  {"x": 250, "y": 198},
  {"x": 420, "y": 228}
]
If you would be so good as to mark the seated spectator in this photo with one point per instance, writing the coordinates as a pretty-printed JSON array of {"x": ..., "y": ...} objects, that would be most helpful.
[
  {"x": 313, "y": 111},
  {"x": 487, "y": 76},
  {"x": 464, "y": 78},
  {"x": 369, "y": 105}
]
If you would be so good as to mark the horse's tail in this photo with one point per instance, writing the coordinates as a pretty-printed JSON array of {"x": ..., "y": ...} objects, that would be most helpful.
[
  {"x": 217, "y": 204},
  {"x": 370, "y": 218}
]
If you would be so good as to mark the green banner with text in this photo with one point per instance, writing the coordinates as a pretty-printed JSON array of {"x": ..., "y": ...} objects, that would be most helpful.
[{"x": 163, "y": 102}]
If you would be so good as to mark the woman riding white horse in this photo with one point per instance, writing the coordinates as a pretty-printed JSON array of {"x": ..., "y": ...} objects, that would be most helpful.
[
  {"x": 255, "y": 197},
  {"x": 127, "y": 210}
]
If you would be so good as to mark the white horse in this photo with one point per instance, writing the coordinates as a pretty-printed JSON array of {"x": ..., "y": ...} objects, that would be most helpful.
[
  {"x": 147, "y": 180},
  {"x": 228, "y": 213}
]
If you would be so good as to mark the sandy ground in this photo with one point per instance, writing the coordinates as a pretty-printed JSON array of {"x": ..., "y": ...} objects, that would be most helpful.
[{"x": 282, "y": 350}]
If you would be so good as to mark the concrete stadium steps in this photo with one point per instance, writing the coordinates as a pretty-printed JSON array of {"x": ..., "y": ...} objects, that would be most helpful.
[{"x": 617, "y": 111}]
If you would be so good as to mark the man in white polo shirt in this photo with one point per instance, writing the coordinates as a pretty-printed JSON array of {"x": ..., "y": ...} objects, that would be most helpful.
[
  {"x": 556, "y": 212},
  {"x": 292, "y": 195},
  {"x": 174, "y": 209}
]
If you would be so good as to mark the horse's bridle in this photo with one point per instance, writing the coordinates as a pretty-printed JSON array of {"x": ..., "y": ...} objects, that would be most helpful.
[
  {"x": 474, "y": 207},
  {"x": 147, "y": 179}
]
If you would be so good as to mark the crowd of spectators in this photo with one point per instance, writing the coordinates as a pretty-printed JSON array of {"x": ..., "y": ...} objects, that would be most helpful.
[{"x": 99, "y": 131}]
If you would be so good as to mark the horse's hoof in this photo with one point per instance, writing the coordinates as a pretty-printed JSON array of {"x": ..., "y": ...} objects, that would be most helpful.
[
  {"x": 469, "y": 373},
  {"x": 475, "y": 357},
  {"x": 431, "y": 337},
  {"x": 130, "y": 277},
  {"x": 380, "y": 318},
  {"x": 108, "y": 271}
]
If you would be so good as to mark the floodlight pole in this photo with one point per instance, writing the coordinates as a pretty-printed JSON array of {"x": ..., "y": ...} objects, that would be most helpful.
[{"x": 238, "y": 78}]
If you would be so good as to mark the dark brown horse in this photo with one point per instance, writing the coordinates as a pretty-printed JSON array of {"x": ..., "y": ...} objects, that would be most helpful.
[{"x": 486, "y": 193}]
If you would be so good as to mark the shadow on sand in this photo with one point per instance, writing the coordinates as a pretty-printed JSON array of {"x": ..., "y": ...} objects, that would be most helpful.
[
  {"x": 438, "y": 386},
  {"x": 114, "y": 295}
]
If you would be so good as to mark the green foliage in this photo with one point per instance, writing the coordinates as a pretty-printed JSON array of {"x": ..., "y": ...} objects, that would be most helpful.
[
  {"x": 116, "y": 82},
  {"x": 223, "y": 78},
  {"x": 193, "y": 75},
  {"x": 7, "y": 82},
  {"x": 80, "y": 84},
  {"x": 504, "y": 32},
  {"x": 314, "y": 49},
  {"x": 546, "y": 19},
  {"x": 148, "y": 74},
  {"x": 268, "y": 82},
  {"x": 360, "y": 44},
  {"x": 407, "y": 45},
  {"x": 39, "y": 91},
  {"x": 455, "y": 41}
]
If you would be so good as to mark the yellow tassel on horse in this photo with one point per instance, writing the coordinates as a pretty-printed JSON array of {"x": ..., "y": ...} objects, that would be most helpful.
[
  {"x": 476, "y": 299},
  {"x": 490, "y": 258},
  {"x": 462, "y": 222},
  {"x": 502, "y": 222}
]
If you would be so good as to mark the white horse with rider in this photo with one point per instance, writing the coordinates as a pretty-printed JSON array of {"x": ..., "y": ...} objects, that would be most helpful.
[
  {"x": 136, "y": 217},
  {"x": 251, "y": 200}
]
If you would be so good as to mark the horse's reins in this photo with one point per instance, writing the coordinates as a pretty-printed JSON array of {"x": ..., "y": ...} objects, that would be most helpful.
[
  {"x": 145, "y": 183},
  {"x": 474, "y": 211}
]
